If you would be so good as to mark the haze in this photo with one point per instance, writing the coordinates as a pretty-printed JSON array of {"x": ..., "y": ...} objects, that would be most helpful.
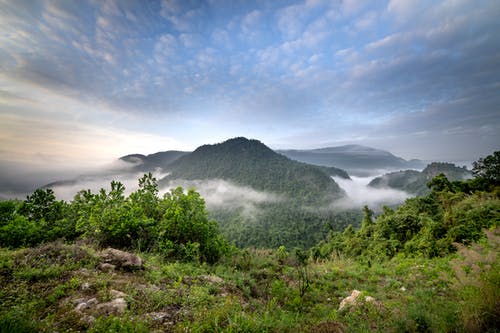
[{"x": 84, "y": 82}]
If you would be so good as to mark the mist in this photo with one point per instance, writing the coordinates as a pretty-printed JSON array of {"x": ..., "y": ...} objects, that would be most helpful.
[
  {"x": 358, "y": 194},
  {"x": 217, "y": 193},
  {"x": 224, "y": 194}
]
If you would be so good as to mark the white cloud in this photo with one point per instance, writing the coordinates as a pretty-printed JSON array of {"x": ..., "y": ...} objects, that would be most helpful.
[
  {"x": 165, "y": 48},
  {"x": 42, "y": 128},
  {"x": 359, "y": 194},
  {"x": 404, "y": 9},
  {"x": 225, "y": 194}
]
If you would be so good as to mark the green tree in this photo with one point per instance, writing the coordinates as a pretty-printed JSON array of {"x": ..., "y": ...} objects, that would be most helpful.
[
  {"x": 440, "y": 183},
  {"x": 42, "y": 205},
  {"x": 488, "y": 168},
  {"x": 185, "y": 231}
]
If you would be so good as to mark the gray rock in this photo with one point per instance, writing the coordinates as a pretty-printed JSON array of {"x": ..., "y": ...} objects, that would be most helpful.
[
  {"x": 122, "y": 259},
  {"x": 105, "y": 267},
  {"x": 117, "y": 294},
  {"x": 116, "y": 306},
  {"x": 353, "y": 300}
]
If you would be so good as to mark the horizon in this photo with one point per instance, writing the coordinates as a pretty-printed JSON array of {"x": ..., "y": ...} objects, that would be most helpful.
[{"x": 83, "y": 83}]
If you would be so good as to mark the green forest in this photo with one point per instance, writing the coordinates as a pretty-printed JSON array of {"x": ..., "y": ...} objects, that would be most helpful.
[{"x": 110, "y": 262}]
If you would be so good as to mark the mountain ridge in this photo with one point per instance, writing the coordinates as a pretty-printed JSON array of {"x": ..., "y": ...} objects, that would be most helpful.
[
  {"x": 250, "y": 162},
  {"x": 355, "y": 159},
  {"x": 415, "y": 182}
]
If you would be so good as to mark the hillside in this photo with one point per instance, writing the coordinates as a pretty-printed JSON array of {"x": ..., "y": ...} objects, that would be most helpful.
[
  {"x": 111, "y": 262},
  {"x": 415, "y": 182},
  {"x": 251, "y": 163},
  {"x": 356, "y": 159}
]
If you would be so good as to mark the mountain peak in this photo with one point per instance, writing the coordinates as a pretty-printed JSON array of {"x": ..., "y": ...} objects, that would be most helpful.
[
  {"x": 251, "y": 163},
  {"x": 237, "y": 146}
]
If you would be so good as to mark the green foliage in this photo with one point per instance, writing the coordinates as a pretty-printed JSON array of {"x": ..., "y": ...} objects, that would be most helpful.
[
  {"x": 418, "y": 183},
  {"x": 478, "y": 282},
  {"x": 185, "y": 230},
  {"x": 251, "y": 163},
  {"x": 15, "y": 322},
  {"x": 118, "y": 325},
  {"x": 284, "y": 223},
  {"x": 423, "y": 226},
  {"x": 176, "y": 225},
  {"x": 487, "y": 170}
]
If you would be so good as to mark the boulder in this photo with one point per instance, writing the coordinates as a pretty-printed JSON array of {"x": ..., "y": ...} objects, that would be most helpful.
[
  {"x": 122, "y": 259},
  {"x": 353, "y": 300},
  {"x": 350, "y": 300},
  {"x": 116, "y": 306},
  {"x": 212, "y": 279}
]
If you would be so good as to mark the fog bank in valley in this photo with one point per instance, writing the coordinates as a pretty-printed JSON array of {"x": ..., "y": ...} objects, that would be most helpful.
[
  {"x": 358, "y": 194},
  {"x": 224, "y": 194},
  {"x": 217, "y": 193}
]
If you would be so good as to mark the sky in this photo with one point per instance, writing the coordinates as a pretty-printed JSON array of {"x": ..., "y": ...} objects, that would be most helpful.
[{"x": 85, "y": 82}]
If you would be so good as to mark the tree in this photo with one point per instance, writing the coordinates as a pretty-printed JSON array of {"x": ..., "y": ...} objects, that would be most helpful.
[
  {"x": 42, "y": 205},
  {"x": 440, "y": 183},
  {"x": 185, "y": 232},
  {"x": 488, "y": 169}
]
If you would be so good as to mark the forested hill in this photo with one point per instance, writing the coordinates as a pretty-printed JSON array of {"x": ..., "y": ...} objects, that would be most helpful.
[
  {"x": 154, "y": 161},
  {"x": 353, "y": 158},
  {"x": 416, "y": 182},
  {"x": 251, "y": 163}
]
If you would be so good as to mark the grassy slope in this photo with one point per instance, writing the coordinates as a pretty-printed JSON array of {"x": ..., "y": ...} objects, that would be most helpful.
[{"x": 258, "y": 292}]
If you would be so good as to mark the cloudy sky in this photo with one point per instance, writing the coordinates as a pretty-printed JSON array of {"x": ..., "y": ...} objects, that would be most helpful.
[{"x": 84, "y": 82}]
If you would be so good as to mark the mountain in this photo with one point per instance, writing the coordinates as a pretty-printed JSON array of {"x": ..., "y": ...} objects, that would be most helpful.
[
  {"x": 415, "y": 182},
  {"x": 356, "y": 159},
  {"x": 251, "y": 163},
  {"x": 154, "y": 161}
]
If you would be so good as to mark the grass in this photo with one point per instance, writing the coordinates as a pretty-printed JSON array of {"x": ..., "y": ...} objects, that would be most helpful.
[{"x": 250, "y": 291}]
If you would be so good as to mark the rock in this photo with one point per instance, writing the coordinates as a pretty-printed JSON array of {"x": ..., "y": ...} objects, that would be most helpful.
[
  {"x": 82, "y": 304},
  {"x": 353, "y": 300},
  {"x": 117, "y": 294},
  {"x": 369, "y": 299},
  {"x": 88, "y": 319},
  {"x": 350, "y": 300},
  {"x": 116, "y": 306},
  {"x": 212, "y": 278},
  {"x": 122, "y": 259},
  {"x": 85, "y": 286},
  {"x": 105, "y": 267},
  {"x": 159, "y": 316},
  {"x": 92, "y": 301}
]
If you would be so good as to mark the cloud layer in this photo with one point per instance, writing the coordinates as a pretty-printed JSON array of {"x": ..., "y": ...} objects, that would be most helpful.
[
  {"x": 358, "y": 194},
  {"x": 88, "y": 79}
]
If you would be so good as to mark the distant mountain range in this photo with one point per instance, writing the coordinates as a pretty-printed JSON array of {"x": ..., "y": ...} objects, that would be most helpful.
[
  {"x": 355, "y": 159},
  {"x": 415, "y": 182}
]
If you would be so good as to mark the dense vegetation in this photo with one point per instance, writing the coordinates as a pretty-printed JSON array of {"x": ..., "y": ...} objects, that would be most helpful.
[
  {"x": 251, "y": 163},
  {"x": 428, "y": 226},
  {"x": 430, "y": 265},
  {"x": 299, "y": 220},
  {"x": 282, "y": 223},
  {"x": 175, "y": 225},
  {"x": 415, "y": 182}
]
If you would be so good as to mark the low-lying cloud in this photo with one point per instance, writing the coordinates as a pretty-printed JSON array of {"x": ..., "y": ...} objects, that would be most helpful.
[
  {"x": 66, "y": 190},
  {"x": 217, "y": 193},
  {"x": 224, "y": 194},
  {"x": 360, "y": 194}
]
